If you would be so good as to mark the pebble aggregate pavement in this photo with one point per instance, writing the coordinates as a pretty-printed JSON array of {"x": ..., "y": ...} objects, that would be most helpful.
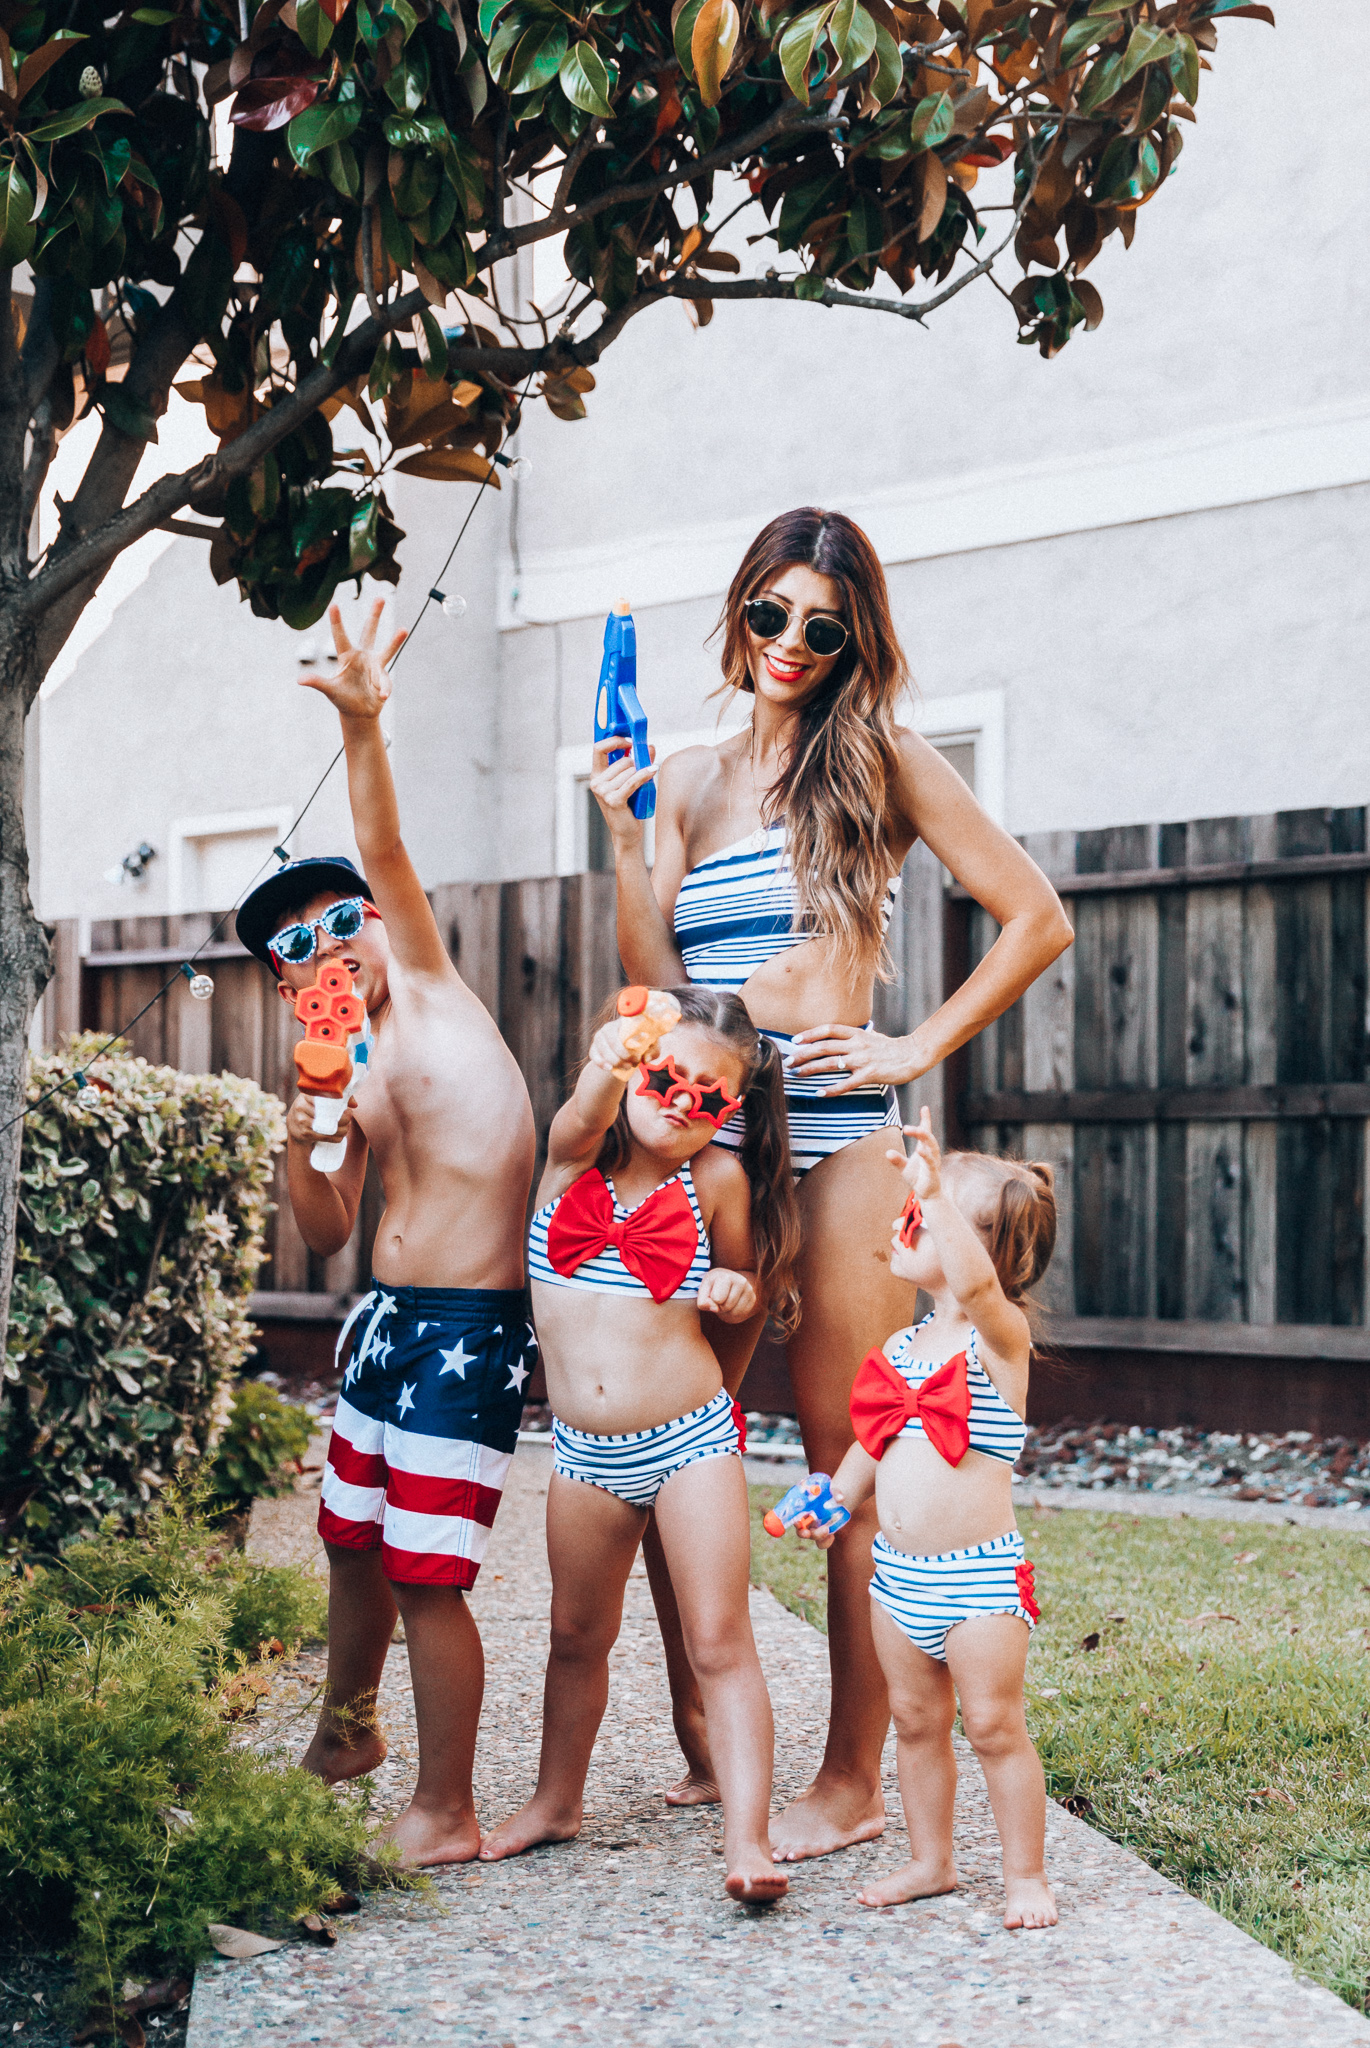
[{"x": 626, "y": 1939}]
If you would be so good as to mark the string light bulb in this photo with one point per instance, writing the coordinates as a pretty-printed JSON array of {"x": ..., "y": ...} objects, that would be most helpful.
[
  {"x": 201, "y": 985},
  {"x": 451, "y": 604},
  {"x": 87, "y": 1095},
  {"x": 521, "y": 468}
]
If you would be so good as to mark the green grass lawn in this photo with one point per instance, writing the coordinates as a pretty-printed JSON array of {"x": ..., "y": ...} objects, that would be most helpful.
[{"x": 1198, "y": 1691}]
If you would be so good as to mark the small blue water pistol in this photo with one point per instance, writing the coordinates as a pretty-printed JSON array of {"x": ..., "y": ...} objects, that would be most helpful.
[
  {"x": 618, "y": 714},
  {"x": 811, "y": 1496}
]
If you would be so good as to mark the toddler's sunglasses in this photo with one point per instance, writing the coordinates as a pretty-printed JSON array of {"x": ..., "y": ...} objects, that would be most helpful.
[
  {"x": 295, "y": 942},
  {"x": 709, "y": 1099},
  {"x": 768, "y": 619},
  {"x": 910, "y": 1221}
]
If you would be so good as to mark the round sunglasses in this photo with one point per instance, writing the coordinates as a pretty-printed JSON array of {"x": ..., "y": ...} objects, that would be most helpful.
[
  {"x": 295, "y": 942},
  {"x": 768, "y": 619}
]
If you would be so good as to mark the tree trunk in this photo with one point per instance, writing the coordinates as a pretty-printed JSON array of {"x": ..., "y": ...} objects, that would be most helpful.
[{"x": 25, "y": 951}]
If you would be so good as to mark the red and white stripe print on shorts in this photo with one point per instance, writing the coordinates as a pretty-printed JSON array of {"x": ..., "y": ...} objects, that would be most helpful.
[{"x": 425, "y": 1428}]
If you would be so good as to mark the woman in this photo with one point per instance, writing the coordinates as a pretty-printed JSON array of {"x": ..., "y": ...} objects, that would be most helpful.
[{"x": 777, "y": 857}]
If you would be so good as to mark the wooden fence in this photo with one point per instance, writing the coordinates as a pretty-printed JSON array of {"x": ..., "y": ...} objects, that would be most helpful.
[{"x": 1194, "y": 1067}]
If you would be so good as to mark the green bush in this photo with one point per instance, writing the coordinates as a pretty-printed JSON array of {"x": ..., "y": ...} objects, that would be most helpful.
[
  {"x": 260, "y": 1449},
  {"x": 128, "y": 1818},
  {"x": 139, "y": 1239}
]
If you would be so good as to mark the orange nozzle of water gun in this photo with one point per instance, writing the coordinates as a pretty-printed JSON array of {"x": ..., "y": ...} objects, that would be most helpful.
[
  {"x": 330, "y": 1013},
  {"x": 772, "y": 1523}
]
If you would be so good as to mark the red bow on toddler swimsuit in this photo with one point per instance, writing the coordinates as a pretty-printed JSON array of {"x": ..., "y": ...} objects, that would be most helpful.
[
  {"x": 882, "y": 1401},
  {"x": 1027, "y": 1592},
  {"x": 656, "y": 1241}
]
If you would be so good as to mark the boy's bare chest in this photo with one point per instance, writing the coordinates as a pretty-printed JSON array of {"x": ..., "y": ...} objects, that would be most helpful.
[{"x": 435, "y": 1089}]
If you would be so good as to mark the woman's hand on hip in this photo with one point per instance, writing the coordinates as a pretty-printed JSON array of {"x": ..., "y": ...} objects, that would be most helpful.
[
  {"x": 852, "y": 1058},
  {"x": 614, "y": 784}
]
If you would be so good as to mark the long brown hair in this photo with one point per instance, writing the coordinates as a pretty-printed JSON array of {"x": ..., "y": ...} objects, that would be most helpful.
[
  {"x": 834, "y": 786},
  {"x": 765, "y": 1149}
]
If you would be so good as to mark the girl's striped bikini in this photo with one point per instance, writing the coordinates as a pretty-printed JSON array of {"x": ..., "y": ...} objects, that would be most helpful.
[{"x": 734, "y": 912}]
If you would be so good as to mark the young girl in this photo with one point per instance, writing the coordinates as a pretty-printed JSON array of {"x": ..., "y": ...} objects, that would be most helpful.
[
  {"x": 938, "y": 1414},
  {"x": 644, "y": 1224}
]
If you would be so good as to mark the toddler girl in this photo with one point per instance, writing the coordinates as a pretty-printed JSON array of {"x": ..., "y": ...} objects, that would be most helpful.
[
  {"x": 938, "y": 1414},
  {"x": 644, "y": 1224}
]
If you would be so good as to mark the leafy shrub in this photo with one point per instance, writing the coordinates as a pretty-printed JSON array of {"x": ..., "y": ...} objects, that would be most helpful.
[
  {"x": 139, "y": 1239},
  {"x": 128, "y": 1820},
  {"x": 263, "y": 1441}
]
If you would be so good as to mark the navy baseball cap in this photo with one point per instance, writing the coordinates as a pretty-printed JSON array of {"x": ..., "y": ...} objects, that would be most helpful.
[{"x": 290, "y": 888}]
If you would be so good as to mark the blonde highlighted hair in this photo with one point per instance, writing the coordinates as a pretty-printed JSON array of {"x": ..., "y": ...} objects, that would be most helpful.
[{"x": 834, "y": 787}]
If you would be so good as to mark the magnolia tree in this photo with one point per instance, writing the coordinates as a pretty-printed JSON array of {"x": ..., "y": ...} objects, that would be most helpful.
[{"x": 296, "y": 217}]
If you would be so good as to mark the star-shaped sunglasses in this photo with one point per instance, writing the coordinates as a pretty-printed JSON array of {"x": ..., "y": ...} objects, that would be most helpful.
[
  {"x": 910, "y": 1221},
  {"x": 709, "y": 1099}
]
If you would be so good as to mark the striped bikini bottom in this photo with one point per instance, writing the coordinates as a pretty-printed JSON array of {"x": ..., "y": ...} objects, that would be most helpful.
[
  {"x": 928, "y": 1596},
  {"x": 636, "y": 1465},
  {"x": 820, "y": 1123}
]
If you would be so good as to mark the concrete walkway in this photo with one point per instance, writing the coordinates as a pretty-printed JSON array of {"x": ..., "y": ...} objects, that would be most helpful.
[{"x": 625, "y": 1938}]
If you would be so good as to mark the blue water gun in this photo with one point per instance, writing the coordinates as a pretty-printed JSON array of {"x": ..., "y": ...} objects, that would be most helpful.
[
  {"x": 810, "y": 1496},
  {"x": 618, "y": 714}
]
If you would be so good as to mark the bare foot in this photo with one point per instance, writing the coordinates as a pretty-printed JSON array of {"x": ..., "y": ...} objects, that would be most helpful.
[
  {"x": 827, "y": 1817},
  {"x": 333, "y": 1756},
  {"x": 914, "y": 1881},
  {"x": 753, "y": 1878},
  {"x": 1029, "y": 1902},
  {"x": 424, "y": 1839},
  {"x": 536, "y": 1822},
  {"x": 696, "y": 1788}
]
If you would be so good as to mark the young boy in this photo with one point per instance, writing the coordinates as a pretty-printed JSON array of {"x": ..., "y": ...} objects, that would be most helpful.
[{"x": 440, "y": 1349}]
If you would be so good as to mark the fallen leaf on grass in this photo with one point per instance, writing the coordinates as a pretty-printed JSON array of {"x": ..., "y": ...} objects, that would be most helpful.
[
  {"x": 237, "y": 1943},
  {"x": 1091, "y": 1641},
  {"x": 1274, "y": 1792},
  {"x": 152, "y": 1997},
  {"x": 1048, "y": 1692},
  {"x": 344, "y": 1902},
  {"x": 1199, "y": 1620},
  {"x": 1115, "y": 1617},
  {"x": 318, "y": 1929},
  {"x": 1246, "y": 1557},
  {"x": 1079, "y": 1803}
]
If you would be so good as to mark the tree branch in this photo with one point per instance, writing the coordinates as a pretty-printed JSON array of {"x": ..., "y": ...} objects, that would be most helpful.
[{"x": 783, "y": 121}]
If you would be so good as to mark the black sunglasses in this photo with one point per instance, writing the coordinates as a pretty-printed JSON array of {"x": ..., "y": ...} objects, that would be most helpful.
[{"x": 768, "y": 619}]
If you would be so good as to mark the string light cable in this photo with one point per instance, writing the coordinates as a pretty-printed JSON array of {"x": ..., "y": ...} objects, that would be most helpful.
[{"x": 201, "y": 985}]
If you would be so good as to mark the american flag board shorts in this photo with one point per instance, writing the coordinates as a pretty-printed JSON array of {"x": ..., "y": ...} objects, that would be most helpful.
[{"x": 426, "y": 1425}]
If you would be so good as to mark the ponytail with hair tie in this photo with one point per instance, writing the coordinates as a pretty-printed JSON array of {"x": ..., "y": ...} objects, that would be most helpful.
[{"x": 765, "y": 1158}]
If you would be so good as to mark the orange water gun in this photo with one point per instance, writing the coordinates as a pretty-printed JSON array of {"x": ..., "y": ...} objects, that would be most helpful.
[
  {"x": 333, "y": 1015},
  {"x": 645, "y": 1015}
]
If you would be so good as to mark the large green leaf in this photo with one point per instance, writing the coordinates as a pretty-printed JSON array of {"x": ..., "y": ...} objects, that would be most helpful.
[
  {"x": 432, "y": 345},
  {"x": 585, "y": 80},
  {"x": 1146, "y": 45},
  {"x": 1105, "y": 77},
  {"x": 490, "y": 12},
  {"x": 17, "y": 230},
  {"x": 889, "y": 66},
  {"x": 319, "y": 127},
  {"x": 506, "y": 36},
  {"x": 533, "y": 61},
  {"x": 797, "y": 47},
  {"x": 931, "y": 121},
  {"x": 1184, "y": 68},
  {"x": 313, "y": 26},
  {"x": 682, "y": 35},
  {"x": 72, "y": 119},
  {"x": 852, "y": 34}
]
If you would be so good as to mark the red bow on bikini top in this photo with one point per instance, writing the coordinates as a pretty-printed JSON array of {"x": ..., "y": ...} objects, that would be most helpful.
[
  {"x": 882, "y": 1401},
  {"x": 656, "y": 1241}
]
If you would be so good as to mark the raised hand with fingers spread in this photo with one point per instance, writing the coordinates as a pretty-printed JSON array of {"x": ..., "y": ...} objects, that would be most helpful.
[{"x": 359, "y": 686}]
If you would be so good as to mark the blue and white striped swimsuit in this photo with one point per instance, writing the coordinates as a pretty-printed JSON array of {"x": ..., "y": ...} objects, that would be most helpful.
[
  {"x": 636, "y": 1465},
  {"x": 995, "y": 1428},
  {"x": 734, "y": 912},
  {"x": 927, "y": 1595},
  {"x": 606, "y": 1272}
]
